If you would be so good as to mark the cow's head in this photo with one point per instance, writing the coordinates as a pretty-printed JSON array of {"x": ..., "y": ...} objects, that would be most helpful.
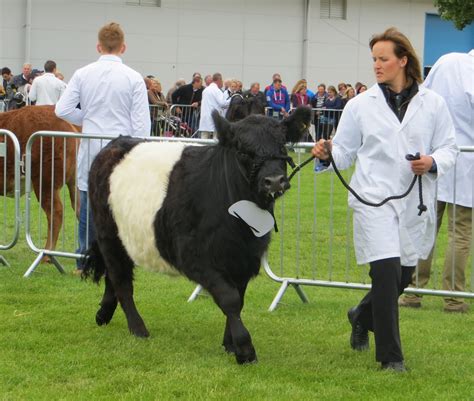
[
  {"x": 241, "y": 107},
  {"x": 259, "y": 144}
]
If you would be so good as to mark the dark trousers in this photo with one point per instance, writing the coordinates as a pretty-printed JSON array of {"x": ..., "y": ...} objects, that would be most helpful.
[{"x": 378, "y": 310}]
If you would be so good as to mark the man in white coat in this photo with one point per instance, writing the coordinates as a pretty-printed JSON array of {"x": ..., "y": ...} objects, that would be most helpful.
[
  {"x": 452, "y": 77},
  {"x": 113, "y": 100},
  {"x": 212, "y": 99},
  {"x": 377, "y": 130},
  {"x": 47, "y": 89}
]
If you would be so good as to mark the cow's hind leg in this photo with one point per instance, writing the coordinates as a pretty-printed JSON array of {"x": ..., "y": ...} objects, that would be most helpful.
[
  {"x": 107, "y": 305},
  {"x": 228, "y": 298},
  {"x": 119, "y": 270}
]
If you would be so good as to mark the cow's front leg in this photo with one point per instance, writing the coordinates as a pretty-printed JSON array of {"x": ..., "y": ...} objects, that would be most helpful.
[
  {"x": 227, "y": 341},
  {"x": 228, "y": 298}
]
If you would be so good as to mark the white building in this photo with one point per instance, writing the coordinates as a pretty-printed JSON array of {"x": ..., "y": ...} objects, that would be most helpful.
[{"x": 246, "y": 39}]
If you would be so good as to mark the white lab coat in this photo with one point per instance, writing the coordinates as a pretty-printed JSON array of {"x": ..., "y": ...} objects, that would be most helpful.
[
  {"x": 114, "y": 102},
  {"x": 370, "y": 134},
  {"x": 46, "y": 89},
  {"x": 452, "y": 77},
  {"x": 212, "y": 99}
]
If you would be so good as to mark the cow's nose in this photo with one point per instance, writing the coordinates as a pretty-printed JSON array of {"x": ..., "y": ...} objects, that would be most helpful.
[{"x": 275, "y": 183}]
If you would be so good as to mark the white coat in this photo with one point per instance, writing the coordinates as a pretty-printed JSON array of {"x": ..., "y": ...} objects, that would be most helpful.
[
  {"x": 452, "y": 77},
  {"x": 370, "y": 134},
  {"x": 46, "y": 89},
  {"x": 212, "y": 99}
]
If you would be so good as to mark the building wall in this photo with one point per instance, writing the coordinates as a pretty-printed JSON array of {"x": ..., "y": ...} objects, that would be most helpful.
[{"x": 246, "y": 39}]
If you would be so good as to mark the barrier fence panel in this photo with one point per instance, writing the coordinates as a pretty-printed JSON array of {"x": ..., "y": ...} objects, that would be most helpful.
[
  {"x": 10, "y": 187},
  {"x": 51, "y": 225},
  {"x": 315, "y": 240},
  {"x": 179, "y": 120}
]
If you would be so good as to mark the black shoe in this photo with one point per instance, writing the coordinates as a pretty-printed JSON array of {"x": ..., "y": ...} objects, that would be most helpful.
[
  {"x": 359, "y": 335},
  {"x": 395, "y": 366}
]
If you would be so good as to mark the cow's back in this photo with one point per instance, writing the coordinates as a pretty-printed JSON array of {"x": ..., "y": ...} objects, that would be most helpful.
[{"x": 138, "y": 185}]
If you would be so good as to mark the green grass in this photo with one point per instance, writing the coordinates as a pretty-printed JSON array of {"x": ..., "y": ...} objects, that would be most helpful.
[{"x": 51, "y": 349}]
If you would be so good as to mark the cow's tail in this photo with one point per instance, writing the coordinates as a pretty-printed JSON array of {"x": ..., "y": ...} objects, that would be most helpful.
[{"x": 93, "y": 262}]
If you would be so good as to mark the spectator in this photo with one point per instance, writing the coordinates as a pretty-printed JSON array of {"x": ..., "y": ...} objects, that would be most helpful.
[
  {"x": 231, "y": 88},
  {"x": 208, "y": 80},
  {"x": 393, "y": 237},
  {"x": 6, "y": 77},
  {"x": 240, "y": 86},
  {"x": 180, "y": 82},
  {"x": 341, "y": 88},
  {"x": 254, "y": 92},
  {"x": 274, "y": 76},
  {"x": 330, "y": 118},
  {"x": 106, "y": 108},
  {"x": 22, "y": 79},
  {"x": 318, "y": 103},
  {"x": 278, "y": 99},
  {"x": 212, "y": 99},
  {"x": 357, "y": 86},
  {"x": 158, "y": 105},
  {"x": 46, "y": 88},
  {"x": 348, "y": 95},
  {"x": 362, "y": 88},
  {"x": 452, "y": 78},
  {"x": 299, "y": 95},
  {"x": 190, "y": 94}
]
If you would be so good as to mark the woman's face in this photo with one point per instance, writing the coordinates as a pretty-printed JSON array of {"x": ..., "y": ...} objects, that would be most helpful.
[
  {"x": 302, "y": 90},
  {"x": 388, "y": 67},
  {"x": 363, "y": 88},
  {"x": 350, "y": 93},
  {"x": 233, "y": 87}
]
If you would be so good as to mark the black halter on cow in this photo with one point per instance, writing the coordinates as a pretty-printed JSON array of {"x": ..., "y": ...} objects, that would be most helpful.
[{"x": 166, "y": 202}]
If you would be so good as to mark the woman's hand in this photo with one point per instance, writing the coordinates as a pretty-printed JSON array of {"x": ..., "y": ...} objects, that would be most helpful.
[
  {"x": 421, "y": 166},
  {"x": 319, "y": 150}
]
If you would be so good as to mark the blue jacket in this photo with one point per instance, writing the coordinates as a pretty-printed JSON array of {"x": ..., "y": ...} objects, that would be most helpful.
[{"x": 276, "y": 99}]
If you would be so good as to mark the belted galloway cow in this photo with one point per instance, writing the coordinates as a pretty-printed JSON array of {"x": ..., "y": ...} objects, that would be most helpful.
[{"x": 166, "y": 201}]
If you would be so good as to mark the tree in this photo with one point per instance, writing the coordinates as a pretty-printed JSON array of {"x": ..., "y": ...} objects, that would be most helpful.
[{"x": 460, "y": 12}]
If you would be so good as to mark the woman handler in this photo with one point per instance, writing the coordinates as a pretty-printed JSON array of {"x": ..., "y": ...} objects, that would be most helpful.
[{"x": 378, "y": 128}]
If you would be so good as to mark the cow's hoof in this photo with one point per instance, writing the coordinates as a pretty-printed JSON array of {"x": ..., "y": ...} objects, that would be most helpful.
[
  {"x": 103, "y": 317},
  {"x": 246, "y": 357},
  {"x": 141, "y": 332}
]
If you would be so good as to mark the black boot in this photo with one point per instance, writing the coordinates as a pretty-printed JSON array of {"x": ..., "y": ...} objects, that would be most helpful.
[{"x": 359, "y": 335}]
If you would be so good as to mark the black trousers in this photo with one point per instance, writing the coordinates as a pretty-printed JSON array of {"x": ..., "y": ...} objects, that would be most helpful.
[{"x": 378, "y": 310}]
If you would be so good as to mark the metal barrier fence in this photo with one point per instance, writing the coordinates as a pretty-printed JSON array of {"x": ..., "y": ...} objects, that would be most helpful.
[
  {"x": 314, "y": 248},
  {"x": 10, "y": 186},
  {"x": 60, "y": 233},
  {"x": 322, "y": 253},
  {"x": 179, "y": 120}
]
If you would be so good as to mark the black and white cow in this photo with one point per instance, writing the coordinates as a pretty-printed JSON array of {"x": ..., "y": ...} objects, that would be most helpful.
[{"x": 158, "y": 204}]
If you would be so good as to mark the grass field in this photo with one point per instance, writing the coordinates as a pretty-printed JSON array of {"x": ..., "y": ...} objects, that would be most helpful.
[{"x": 51, "y": 349}]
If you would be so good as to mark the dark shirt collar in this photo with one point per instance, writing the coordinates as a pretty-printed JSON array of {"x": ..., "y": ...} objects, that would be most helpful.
[{"x": 398, "y": 102}]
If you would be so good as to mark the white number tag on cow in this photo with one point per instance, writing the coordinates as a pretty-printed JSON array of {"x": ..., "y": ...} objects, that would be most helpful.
[{"x": 259, "y": 221}]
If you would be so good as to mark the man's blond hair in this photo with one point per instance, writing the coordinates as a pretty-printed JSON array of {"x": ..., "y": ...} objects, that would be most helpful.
[{"x": 111, "y": 37}]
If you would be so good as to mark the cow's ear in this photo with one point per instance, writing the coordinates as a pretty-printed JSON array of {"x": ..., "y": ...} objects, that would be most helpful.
[
  {"x": 297, "y": 124},
  {"x": 225, "y": 134}
]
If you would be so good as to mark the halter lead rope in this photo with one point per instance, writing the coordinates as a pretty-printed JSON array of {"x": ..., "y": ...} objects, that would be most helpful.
[{"x": 421, "y": 206}]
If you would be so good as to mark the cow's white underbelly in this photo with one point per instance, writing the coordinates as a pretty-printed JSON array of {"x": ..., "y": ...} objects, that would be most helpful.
[{"x": 137, "y": 189}]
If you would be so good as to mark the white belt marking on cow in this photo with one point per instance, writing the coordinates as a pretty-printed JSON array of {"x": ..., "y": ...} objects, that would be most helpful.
[{"x": 137, "y": 190}]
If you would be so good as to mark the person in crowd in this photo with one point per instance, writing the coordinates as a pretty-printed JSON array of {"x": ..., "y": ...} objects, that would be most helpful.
[
  {"x": 232, "y": 88},
  {"x": 22, "y": 79},
  {"x": 362, "y": 88},
  {"x": 357, "y": 86},
  {"x": 299, "y": 95},
  {"x": 212, "y": 99},
  {"x": 121, "y": 109},
  {"x": 318, "y": 103},
  {"x": 278, "y": 99},
  {"x": 46, "y": 88},
  {"x": 341, "y": 89},
  {"x": 330, "y": 118},
  {"x": 348, "y": 95},
  {"x": 240, "y": 87},
  {"x": 452, "y": 78},
  {"x": 180, "y": 82},
  {"x": 274, "y": 76},
  {"x": 158, "y": 105},
  {"x": 254, "y": 92},
  {"x": 377, "y": 135},
  {"x": 190, "y": 94},
  {"x": 207, "y": 80}
]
